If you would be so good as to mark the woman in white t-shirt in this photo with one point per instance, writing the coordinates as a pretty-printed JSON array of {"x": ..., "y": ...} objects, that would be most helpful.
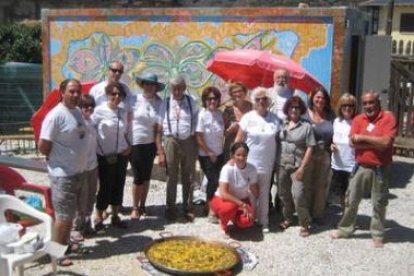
[
  {"x": 259, "y": 129},
  {"x": 343, "y": 155},
  {"x": 146, "y": 139},
  {"x": 113, "y": 150},
  {"x": 237, "y": 190},
  {"x": 210, "y": 136}
]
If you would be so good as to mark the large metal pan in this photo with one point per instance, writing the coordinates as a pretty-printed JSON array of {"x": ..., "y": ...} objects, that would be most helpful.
[{"x": 189, "y": 255}]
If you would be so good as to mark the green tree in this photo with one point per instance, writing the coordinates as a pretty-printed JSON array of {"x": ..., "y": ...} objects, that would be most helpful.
[{"x": 20, "y": 43}]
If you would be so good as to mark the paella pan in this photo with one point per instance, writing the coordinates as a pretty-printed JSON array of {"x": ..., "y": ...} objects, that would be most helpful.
[{"x": 189, "y": 255}]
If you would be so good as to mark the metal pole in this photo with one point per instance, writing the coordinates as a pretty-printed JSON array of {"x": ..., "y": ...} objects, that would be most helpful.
[{"x": 390, "y": 17}]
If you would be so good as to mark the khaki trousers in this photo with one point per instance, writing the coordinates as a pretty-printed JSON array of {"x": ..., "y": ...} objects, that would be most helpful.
[
  {"x": 376, "y": 179},
  {"x": 181, "y": 156},
  {"x": 293, "y": 191}
]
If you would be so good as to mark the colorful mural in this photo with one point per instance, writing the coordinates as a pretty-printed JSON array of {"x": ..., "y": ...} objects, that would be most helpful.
[{"x": 83, "y": 46}]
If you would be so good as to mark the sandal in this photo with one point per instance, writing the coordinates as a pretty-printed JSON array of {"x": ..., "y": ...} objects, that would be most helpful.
[
  {"x": 285, "y": 224},
  {"x": 142, "y": 211},
  {"x": 135, "y": 214},
  {"x": 64, "y": 261},
  {"x": 304, "y": 232},
  {"x": 99, "y": 226}
]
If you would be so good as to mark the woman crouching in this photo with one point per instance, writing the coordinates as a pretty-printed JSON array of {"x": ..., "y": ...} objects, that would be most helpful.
[{"x": 237, "y": 189}]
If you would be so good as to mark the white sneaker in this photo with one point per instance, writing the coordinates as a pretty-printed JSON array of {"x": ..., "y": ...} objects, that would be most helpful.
[{"x": 265, "y": 229}]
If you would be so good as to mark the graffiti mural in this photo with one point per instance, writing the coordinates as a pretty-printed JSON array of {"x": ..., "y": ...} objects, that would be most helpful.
[{"x": 83, "y": 46}]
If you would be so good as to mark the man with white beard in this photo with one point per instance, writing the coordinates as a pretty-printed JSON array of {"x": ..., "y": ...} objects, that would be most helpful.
[{"x": 280, "y": 92}]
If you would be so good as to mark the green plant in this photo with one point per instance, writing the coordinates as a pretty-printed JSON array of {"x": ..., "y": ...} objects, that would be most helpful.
[{"x": 20, "y": 43}]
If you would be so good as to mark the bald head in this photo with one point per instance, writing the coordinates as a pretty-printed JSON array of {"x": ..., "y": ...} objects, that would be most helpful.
[
  {"x": 371, "y": 103},
  {"x": 281, "y": 77}
]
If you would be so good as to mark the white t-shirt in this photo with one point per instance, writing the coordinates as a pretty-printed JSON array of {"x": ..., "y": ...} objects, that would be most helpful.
[
  {"x": 279, "y": 99},
  {"x": 106, "y": 121},
  {"x": 238, "y": 180},
  {"x": 212, "y": 127},
  {"x": 261, "y": 138},
  {"x": 145, "y": 115},
  {"x": 66, "y": 129},
  {"x": 98, "y": 93},
  {"x": 344, "y": 158},
  {"x": 91, "y": 136},
  {"x": 180, "y": 117}
]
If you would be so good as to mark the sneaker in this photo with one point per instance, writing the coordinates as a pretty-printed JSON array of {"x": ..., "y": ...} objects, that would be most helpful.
[{"x": 265, "y": 229}]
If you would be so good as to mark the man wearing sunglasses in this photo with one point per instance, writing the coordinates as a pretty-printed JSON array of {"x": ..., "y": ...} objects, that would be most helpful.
[
  {"x": 372, "y": 135},
  {"x": 115, "y": 71}
]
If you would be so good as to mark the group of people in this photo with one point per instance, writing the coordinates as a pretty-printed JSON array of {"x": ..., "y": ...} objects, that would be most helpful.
[{"x": 242, "y": 149}]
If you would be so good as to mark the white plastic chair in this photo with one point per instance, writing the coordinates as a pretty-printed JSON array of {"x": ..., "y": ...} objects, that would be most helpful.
[{"x": 9, "y": 261}]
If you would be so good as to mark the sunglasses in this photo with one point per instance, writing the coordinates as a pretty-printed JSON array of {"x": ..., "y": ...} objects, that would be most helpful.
[
  {"x": 294, "y": 107},
  {"x": 114, "y": 94},
  {"x": 262, "y": 99},
  {"x": 113, "y": 70},
  {"x": 88, "y": 107},
  {"x": 348, "y": 105},
  {"x": 211, "y": 99}
]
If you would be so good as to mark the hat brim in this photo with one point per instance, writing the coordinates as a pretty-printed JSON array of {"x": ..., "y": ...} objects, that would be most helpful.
[{"x": 161, "y": 86}]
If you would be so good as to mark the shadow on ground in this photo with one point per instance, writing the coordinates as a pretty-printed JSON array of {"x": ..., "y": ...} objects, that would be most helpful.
[{"x": 401, "y": 173}]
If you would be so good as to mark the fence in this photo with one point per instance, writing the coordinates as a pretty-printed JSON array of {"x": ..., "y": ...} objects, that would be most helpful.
[{"x": 401, "y": 102}]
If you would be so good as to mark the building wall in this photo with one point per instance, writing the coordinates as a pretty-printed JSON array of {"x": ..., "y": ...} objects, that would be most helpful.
[
  {"x": 397, "y": 36},
  {"x": 81, "y": 44}
]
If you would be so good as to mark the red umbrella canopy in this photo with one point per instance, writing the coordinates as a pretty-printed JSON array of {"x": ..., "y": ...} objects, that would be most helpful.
[
  {"x": 52, "y": 99},
  {"x": 255, "y": 68}
]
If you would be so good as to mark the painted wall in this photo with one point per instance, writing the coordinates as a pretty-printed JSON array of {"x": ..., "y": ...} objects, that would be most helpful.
[{"x": 81, "y": 44}]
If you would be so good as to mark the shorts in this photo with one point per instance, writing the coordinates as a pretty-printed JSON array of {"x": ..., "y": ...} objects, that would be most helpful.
[
  {"x": 142, "y": 162},
  {"x": 65, "y": 194},
  {"x": 340, "y": 181}
]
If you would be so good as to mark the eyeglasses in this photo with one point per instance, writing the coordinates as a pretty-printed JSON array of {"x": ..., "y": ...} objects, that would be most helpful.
[
  {"x": 348, "y": 105},
  {"x": 211, "y": 99},
  {"x": 113, "y": 70},
  {"x": 262, "y": 99},
  {"x": 294, "y": 107}
]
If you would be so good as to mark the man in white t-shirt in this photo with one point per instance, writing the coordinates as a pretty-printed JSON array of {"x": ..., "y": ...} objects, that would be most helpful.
[
  {"x": 178, "y": 121},
  {"x": 115, "y": 71},
  {"x": 63, "y": 142}
]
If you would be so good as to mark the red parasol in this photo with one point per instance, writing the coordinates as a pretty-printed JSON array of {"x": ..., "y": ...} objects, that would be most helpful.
[
  {"x": 52, "y": 99},
  {"x": 255, "y": 68}
]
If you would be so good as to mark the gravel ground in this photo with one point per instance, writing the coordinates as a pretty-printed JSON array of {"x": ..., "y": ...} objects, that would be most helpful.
[{"x": 114, "y": 252}]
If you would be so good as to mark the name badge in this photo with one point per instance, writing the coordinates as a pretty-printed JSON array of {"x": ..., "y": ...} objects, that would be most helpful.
[{"x": 370, "y": 127}]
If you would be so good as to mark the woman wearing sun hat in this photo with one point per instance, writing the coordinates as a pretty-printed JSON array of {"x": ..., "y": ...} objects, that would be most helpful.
[{"x": 146, "y": 139}]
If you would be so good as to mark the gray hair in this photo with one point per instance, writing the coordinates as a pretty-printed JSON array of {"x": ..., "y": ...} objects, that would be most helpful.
[
  {"x": 177, "y": 80},
  {"x": 260, "y": 90}
]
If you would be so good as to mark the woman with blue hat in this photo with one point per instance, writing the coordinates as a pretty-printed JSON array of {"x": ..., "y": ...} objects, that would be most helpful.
[{"x": 146, "y": 139}]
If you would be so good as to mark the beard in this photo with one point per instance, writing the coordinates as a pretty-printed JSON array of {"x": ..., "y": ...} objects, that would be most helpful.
[{"x": 282, "y": 89}]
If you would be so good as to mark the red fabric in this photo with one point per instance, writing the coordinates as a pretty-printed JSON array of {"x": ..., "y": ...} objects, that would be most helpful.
[
  {"x": 385, "y": 125},
  {"x": 229, "y": 211},
  {"x": 52, "y": 99},
  {"x": 256, "y": 68}
]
